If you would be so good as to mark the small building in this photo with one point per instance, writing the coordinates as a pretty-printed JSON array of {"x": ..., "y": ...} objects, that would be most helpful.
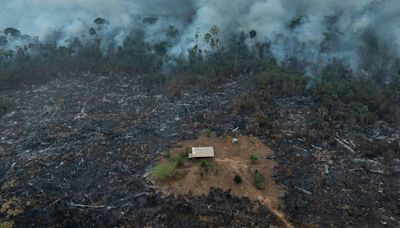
[{"x": 202, "y": 152}]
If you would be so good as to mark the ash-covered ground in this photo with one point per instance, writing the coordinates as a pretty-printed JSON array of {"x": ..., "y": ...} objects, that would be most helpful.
[{"x": 74, "y": 153}]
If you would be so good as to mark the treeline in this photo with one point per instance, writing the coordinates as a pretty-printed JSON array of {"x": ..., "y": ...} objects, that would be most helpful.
[
  {"x": 36, "y": 62},
  {"x": 337, "y": 90},
  {"x": 339, "y": 95}
]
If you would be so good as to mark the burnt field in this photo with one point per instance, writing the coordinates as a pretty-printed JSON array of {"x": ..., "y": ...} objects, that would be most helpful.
[{"x": 74, "y": 153}]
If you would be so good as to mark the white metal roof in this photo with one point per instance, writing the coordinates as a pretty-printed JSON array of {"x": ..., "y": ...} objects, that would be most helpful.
[{"x": 202, "y": 152}]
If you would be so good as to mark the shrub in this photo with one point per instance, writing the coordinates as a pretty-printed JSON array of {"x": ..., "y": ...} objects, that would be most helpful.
[
  {"x": 263, "y": 121},
  {"x": 204, "y": 164},
  {"x": 165, "y": 170},
  {"x": 209, "y": 132},
  {"x": 245, "y": 103},
  {"x": 253, "y": 157},
  {"x": 275, "y": 81},
  {"x": 204, "y": 167},
  {"x": 360, "y": 113},
  {"x": 259, "y": 180},
  {"x": 182, "y": 158},
  {"x": 237, "y": 179}
]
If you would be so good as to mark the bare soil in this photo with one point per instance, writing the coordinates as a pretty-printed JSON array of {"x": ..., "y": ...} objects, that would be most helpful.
[{"x": 230, "y": 160}]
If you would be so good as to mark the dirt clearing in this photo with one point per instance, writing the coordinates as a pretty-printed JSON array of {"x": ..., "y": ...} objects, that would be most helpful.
[{"x": 243, "y": 159}]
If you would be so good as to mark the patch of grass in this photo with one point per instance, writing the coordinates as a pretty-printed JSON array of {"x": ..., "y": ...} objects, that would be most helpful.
[
  {"x": 6, "y": 224},
  {"x": 12, "y": 207},
  {"x": 259, "y": 180},
  {"x": 165, "y": 170},
  {"x": 253, "y": 157}
]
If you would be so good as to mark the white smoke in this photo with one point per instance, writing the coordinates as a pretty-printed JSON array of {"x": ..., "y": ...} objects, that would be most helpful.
[{"x": 315, "y": 32}]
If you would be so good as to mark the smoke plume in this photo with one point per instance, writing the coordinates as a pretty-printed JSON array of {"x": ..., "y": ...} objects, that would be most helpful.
[{"x": 361, "y": 34}]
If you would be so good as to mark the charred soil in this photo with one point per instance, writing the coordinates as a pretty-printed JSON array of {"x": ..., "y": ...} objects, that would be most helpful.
[{"x": 74, "y": 153}]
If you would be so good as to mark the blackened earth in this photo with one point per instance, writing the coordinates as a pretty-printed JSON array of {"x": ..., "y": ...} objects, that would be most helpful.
[{"x": 74, "y": 152}]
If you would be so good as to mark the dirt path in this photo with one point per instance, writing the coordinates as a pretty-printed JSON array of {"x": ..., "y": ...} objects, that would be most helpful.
[{"x": 266, "y": 201}]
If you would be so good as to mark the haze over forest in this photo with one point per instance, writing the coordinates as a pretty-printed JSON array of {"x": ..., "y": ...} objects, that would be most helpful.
[{"x": 363, "y": 35}]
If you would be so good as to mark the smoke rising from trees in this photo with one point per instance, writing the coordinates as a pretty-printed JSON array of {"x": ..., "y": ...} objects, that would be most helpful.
[{"x": 363, "y": 35}]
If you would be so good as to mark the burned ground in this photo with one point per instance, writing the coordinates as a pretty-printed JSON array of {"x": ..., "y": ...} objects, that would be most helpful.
[{"x": 74, "y": 153}]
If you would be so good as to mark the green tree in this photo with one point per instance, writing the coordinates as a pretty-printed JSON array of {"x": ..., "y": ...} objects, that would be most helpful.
[{"x": 259, "y": 180}]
